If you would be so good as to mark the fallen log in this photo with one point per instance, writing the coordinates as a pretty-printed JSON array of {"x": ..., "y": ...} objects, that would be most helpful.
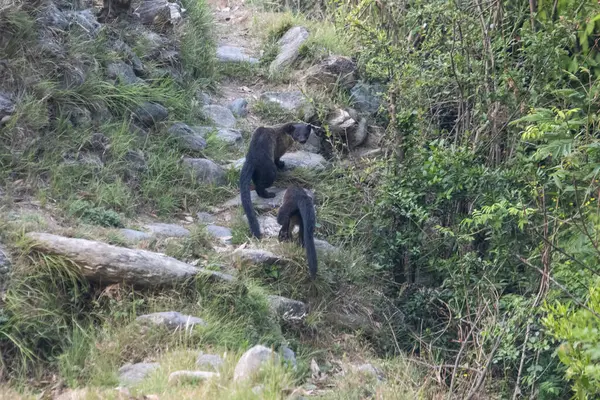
[{"x": 106, "y": 264}]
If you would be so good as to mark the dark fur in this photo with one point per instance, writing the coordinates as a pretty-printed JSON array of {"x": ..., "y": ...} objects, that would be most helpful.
[
  {"x": 298, "y": 209},
  {"x": 267, "y": 146}
]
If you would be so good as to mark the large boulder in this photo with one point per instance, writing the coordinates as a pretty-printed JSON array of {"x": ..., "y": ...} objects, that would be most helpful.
[
  {"x": 289, "y": 48},
  {"x": 252, "y": 361},
  {"x": 303, "y": 159},
  {"x": 333, "y": 71},
  {"x": 206, "y": 171}
]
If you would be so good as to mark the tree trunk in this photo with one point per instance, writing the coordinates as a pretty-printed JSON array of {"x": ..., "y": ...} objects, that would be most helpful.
[{"x": 106, "y": 264}]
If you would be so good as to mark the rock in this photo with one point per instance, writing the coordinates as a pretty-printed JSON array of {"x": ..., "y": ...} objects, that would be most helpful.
[
  {"x": 303, "y": 159},
  {"x": 131, "y": 374},
  {"x": 367, "y": 97},
  {"x": 136, "y": 63},
  {"x": 5, "y": 263},
  {"x": 206, "y": 171},
  {"x": 149, "y": 114},
  {"x": 7, "y": 107},
  {"x": 340, "y": 122},
  {"x": 154, "y": 44},
  {"x": 121, "y": 72},
  {"x": 287, "y": 309},
  {"x": 369, "y": 370},
  {"x": 167, "y": 230},
  {"x": 324, "y": 246},
  {"x": 78, "y": 116},
  {"x": 219, "y": 232},
  {"x": 343, "y": 123},
  {"x": 289, "y": 48},
  {"x": 252, "y": 361},
  {"x": 134, "y": 236},
  {"x": 232, "y": 54},
  {"x": 203, "y": 97},
  {"x": 101, "y": 262},
  {"x": 227, "y": 135},
  {"x": 187, "y": 137},
  {"x": 359, "y": 136},
  {"x": 160, "y": 13},
  {"x": 191, "y": 376},
  {"x": 171, "y": 320},
  {"x": 333, "y": 71},
  {"x": 205, "y": 218},
  {"x": 239, "y": 107},
  {"x": 136, "y": 161},
  {"x": 211, "y": 361},
  {"x": 256, "y": 256},
  {"x": 313, "y": 144},
  {"x": 288, "y": 356},
  {"x": 52, "y": 17},
  {"x": 98, "y": 142},
  {"x": 86, "y": 20},
  {"x": 293, "y": 101},
  {"x": 219, "y": 115},
  {"x": 268, "y": 225}
]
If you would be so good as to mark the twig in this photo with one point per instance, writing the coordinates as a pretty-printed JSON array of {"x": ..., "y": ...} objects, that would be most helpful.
[{"x": 482, "y": 375}]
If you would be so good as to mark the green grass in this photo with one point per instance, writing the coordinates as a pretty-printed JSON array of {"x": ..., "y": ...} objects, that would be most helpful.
[{"x": 272, "y": 113}]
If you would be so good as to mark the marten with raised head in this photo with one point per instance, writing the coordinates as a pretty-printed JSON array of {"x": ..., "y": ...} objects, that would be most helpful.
[
  {"x": 298, "y": 210},
  {"x": 267, "y": 146}
]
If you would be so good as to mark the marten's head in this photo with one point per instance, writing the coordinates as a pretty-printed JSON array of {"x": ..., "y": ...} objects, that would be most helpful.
[{"x": 299, "y": 132}]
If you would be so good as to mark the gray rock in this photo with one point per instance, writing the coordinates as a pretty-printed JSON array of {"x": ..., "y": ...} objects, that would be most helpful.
[
  {"x": 136, "y": 62},
  {"x": 232, "y": 54},
  {"x": 293, "y": 101},
  {"x": 219, "y": 232},
  {"x": 5, "y": 265},
  {"x": 132, "y": 235},
  {"x": 158, "y": 12},
  {"x": 131, "y": 374},
  {"x": 369, "y": 370},
  {"x": 340, "y": 122},
  {"x": 256, "y": 256},
  {"x": 205, "y": 218},
  {"x": 325, "y": 246},
  {"x": 203, "y": 98},
  {"x": 227, "y": 135},
  {"x": 7, "y": 107},
  {"x": 252, "y": 361},
  {"x": 239, "y": 107},
  {"x": 367, "y": 97},
  {"x": 287, "y": 309},
  {"x": 335, "y": 70},
  {"x": 136, "y": 161},
  {"x": 206, "y": 171},
  {"x": 313, "y": 144},
  {"x": 187, "y": 137},
  {"x": 121, "y": 72},
  {"x": 289, "y": 48},
  {"x": 86, "y": 20},
  {"x": 303, "y": 159},
  {"x": 149, "y": 114},
  {"x": 268, "y": 225},
  {"x": 167, "y": 230},
  {"x": 288, "y": 356},
  {"x": 359, "y": 136},
  {"x": 211, "y": 361},
  {"x": 191, "y": 376},
  {"x": 171, "y": 320},
  {"x": 154, "y": 44},
  {"x": 219, "y": 115},
  {"x": 52, "y": 17},
  {"x": 78, "y": 116}
]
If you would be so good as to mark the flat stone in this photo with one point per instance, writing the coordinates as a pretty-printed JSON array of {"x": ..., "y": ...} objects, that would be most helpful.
[
  {"x": 219, "y": 232},
  {"x": 219, "y": 115},
  {"x": 303, "y": 159},
  {"x": 269, "y": 226},
  {"x": 131, "y": 374},
  {"x": 233, "y": 54},
  {"x": 206, "y": 171},
  {"x": 256, "y": 256},
  {"x": 211, "y": 361},
  {"x": 325, "y": 246},
  {"x": 252, "y": 361},
  {"x": 132, "y": 235},
  {"x": 167, "y": 230},
  {"x": 191, "y": 376},
  {"x": 287, "y": 309},
  {"x": 171, "y": 320}
]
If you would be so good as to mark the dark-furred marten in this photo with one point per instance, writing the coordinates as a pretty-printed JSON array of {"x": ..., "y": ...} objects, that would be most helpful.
[
  {"x": 263, "y": 160},
  {"x": 298, "y": 210}
]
